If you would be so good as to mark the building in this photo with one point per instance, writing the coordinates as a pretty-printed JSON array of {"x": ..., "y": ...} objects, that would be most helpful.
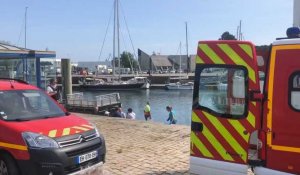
[
  {"x": 166, "y": 63},
  {"x": 29, "y": 65},
  {"x": 94, "y": 66}
]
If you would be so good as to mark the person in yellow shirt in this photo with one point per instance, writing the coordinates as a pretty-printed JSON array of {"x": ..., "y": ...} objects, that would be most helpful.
[{"x": 147, "y": 111}]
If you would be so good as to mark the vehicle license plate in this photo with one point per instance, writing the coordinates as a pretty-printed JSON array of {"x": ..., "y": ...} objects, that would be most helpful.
[{"x": 87, "y": 157}]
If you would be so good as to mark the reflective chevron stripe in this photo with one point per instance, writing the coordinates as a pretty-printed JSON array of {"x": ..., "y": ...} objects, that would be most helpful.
[
  {"x": 68, "y": 131},
  {"x": 227, "y": 136},
  {"x": 226, "y": 139},
  {"x": 237, "y": 59},
  {"x": 211, "y": 54}
]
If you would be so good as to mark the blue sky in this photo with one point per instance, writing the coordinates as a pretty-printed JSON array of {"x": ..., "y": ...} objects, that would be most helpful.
[{"x": 75, "y": 28}]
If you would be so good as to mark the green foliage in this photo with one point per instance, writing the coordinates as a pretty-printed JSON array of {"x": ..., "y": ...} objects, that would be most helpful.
[
  {"x": 128, "y": 61},
  {"x": 227, "y": 36}
]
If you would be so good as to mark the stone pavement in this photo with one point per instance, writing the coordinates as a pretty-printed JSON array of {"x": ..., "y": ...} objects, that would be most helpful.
[{"x": 143, "y": 148}]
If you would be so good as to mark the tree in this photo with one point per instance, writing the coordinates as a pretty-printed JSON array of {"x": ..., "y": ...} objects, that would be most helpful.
[
  {"x": 128, "y": 61},
  {"x": 227, "y": 36}
]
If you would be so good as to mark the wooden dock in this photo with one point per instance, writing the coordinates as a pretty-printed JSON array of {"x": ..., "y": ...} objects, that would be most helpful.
[{"x": 101, "y": 103}]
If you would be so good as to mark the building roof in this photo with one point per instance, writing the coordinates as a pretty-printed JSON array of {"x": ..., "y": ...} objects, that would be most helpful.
[
  {"x": 11, "y": 51},
  {"x": 176, "y": 59},
  {"x": 161, "y": 60}
]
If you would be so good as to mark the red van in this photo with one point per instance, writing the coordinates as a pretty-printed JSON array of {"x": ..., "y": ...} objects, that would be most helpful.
[{"x": 38, "y": 136}]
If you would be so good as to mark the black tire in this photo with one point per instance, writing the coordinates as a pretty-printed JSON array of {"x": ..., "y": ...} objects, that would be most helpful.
[{"x": 8, "y": 165}]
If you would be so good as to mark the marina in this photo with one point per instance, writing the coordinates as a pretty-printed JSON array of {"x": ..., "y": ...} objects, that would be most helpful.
[
  {"x": 71, "y": 105},
  {"x": 158, "y": 99}
]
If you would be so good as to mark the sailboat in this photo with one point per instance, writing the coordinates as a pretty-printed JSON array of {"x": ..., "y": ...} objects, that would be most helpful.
[
  {"x": 99, "y": 84},
  {"x": 179, "y": 85}
]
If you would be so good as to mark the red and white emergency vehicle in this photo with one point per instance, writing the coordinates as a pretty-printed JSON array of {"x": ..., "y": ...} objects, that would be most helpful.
[
  {"x": 39, "y": 137},
  {"x": 246, "y": 108}
]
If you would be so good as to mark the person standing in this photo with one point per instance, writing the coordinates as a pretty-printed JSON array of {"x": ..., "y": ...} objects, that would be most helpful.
[
  {"x": 52, "y": 89},
  {"x": 130, "y": 114},
  {"x": 171, "y": 119},
  {"x": 147, "y": 111}
]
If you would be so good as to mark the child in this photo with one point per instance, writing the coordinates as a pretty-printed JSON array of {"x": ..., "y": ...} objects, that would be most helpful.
[{"x": 171, "y": 119}]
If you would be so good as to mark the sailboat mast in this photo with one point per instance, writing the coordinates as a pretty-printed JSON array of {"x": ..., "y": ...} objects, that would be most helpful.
[
  {"x": 180, "y": 60},
  {"x": 25, "y": 39},
  {"x": 187, "y": 48},
  {"x": 114, "y": 39},
  {"x": 118, "y": 30}
]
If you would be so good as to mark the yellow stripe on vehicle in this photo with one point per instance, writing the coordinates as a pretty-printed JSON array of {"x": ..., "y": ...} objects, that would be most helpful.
[
  {"x": 80, "y": 128},
  {"x": 52, "y": 133},
  {"x": 270, "y": 95},
  {"x": 254, "y": 103},
  {"x": 13, "y": 146},
  {"x": 240, "y": 129},
  {"x": 199, "y": 60},
  {"x": 227, "y": 136},
  {"x": 285, "y": 148},
  {"x": 211, "y": 54},
  {"x": 251, "y": 119},
  {"x": 201, "y": 147},
  {"x": 270, "y": 98},
  {"x": 213, "y": 141},
  {"x": 66, "y": 131},
  {"x": 248, "y": 49},
  {"x": 237, "y": 59},
  {"x": 88, "y": 126}
]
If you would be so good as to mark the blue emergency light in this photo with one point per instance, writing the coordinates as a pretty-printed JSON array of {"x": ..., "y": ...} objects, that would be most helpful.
[{"x": 293, "y": 32}]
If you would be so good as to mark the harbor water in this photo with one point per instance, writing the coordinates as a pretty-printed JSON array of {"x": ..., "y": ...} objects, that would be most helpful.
[{"x": 180, "y": 100}]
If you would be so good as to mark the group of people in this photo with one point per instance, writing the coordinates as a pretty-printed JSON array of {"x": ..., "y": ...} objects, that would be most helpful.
[
  {"x": 52, "y": 90},
  {"x": 147, "y": 114},
  {"x": 129, "y": 115},
  {"x": 171, "y": 118}
]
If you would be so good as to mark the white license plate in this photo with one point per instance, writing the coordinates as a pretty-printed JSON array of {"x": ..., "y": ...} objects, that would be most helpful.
[{"x": 87, "y": 157}]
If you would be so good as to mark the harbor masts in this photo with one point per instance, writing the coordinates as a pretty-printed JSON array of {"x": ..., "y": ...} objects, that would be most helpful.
[
  {"x": 25, "y": 35},
  {"x": 114, "y": 39},
  {"x": 118, "y": 34},
  {"x": 187, "y": 48}
]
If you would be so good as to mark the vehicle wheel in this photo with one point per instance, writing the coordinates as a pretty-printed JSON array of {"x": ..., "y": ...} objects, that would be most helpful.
[{"x": 7, "y": 165}]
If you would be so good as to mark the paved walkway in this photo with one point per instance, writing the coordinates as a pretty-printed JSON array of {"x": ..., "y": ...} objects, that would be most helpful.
[
  {"x": 143, "y": 148},
  {"x": 137, "y": 147}
]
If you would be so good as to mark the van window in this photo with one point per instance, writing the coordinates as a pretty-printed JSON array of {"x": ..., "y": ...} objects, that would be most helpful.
[
  {"x": 222, "y": 91},
  {"x": 27, "y": 105},
  {"x": 294, "y": 82}
]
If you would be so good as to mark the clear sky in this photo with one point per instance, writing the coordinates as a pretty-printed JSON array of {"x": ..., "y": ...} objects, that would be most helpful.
[{"x": 76, "y": 28}]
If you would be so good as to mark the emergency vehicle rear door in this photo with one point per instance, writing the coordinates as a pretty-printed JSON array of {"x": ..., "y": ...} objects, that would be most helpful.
[{"x": 224, "y": 115}]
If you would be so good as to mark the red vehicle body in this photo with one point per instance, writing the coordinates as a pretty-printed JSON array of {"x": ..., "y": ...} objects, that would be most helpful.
[
  {"x": 38, "y": 136},
  {"x": 246, "y": 114}
]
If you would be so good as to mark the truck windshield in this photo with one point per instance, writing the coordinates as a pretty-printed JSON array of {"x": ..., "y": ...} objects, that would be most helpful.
[{"x": 22, "y": 105}]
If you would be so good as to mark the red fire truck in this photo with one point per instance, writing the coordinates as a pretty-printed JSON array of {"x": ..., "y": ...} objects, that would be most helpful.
[
  {"x": 246, "y": 110},
  {"x": 38, "y": 137}
]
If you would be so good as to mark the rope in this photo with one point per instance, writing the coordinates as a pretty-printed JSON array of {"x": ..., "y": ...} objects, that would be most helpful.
[
  {"x": 105, "y": 34},
  {"x": 130, "y": 36}
]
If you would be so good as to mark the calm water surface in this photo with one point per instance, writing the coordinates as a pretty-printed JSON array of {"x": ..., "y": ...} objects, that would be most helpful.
[{"x": 180, "y": 100}]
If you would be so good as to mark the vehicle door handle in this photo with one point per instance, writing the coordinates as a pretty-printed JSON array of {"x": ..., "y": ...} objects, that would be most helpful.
[{"x": 197, "y": 127}]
